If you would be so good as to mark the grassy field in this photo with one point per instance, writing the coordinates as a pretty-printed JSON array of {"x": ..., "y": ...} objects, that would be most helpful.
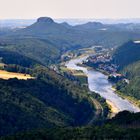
[
  {"x": 77, "y": 73},
  {"x": 7, "y": 75},
  {"x": 73, "y": 72}
]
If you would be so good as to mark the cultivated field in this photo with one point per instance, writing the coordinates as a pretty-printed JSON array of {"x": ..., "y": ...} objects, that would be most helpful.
[{"x": 7, "y": 75}]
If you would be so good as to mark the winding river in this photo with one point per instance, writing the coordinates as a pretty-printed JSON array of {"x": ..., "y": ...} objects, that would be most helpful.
[{"x": 99, "y": 83}]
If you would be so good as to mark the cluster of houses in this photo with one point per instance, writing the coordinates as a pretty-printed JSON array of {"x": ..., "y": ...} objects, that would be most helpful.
[{"x": 104, "y": 63}]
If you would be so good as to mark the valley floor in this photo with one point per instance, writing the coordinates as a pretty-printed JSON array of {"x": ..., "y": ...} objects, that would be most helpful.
[{"x": 113, "y": 108}]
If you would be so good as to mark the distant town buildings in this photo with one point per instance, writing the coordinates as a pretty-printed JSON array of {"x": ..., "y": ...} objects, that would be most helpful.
[{"x": 103, "y": 61}]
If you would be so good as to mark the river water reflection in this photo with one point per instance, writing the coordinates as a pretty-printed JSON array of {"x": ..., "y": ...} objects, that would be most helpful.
[{"x": 99, "y": 83}]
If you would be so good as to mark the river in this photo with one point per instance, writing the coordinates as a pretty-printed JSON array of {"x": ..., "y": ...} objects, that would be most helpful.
[{"x": 98, "y": 82}]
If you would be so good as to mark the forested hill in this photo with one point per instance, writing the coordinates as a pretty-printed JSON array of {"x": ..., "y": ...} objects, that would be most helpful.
[
  {"x": 125, "y": 126},
  {"x": 11, "y": 57},
  {"x": 127, "y": 54},
  {"x": 45, "y": 40},
  {"x": 132, "y": 72},
  {"x": 66, "y": 36},
  {"x": 39, "y": 50},
  {"x": 47, "y": 101},
  {"x": 127, "y": 57}
]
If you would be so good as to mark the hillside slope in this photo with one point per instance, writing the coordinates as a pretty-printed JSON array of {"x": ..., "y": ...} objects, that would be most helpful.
[
  {"x": 127, "y": 57},
  {"x": 132, "y": 72},
  {"x": 120, "y": 127},
  {"x": 38, "y": 49},
  {"x": 48, "y": 101},
  {"x": 69, "y": 37},
  {"x": 127, "y": 54}
]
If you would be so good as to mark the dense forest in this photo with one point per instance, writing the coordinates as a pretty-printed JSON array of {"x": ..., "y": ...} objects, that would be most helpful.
[
  {"x": 50, "y": 100},
  {"x": 39, "y": 50},
  {"x": 126, "y": 54},
  {"x": 124, "y": 126},
  {"x": 127, "y": 57},
  {"x": 11, "y": 57},
  {"x": 132, "y": 89}
]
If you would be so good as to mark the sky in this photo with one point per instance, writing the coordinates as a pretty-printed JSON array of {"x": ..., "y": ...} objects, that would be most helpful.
[{"x": 29, "y": 9}]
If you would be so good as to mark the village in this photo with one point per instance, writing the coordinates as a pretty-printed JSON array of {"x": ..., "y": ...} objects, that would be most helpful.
[
  {"x": 99, "y": 58},
  {"x": 102, "y": 61}
]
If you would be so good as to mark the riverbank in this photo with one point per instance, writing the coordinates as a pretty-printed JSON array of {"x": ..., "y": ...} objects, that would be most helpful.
[
  {"x": 98, "y": 82},
  {"x": 133, "y": 100},
  {"x": 113, "y": 109}
]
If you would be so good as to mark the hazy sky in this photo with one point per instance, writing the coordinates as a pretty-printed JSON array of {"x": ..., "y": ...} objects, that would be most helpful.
[{"x": 69, "y": 8}]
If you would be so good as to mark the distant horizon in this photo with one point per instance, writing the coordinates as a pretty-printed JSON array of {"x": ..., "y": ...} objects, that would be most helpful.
[
  {"x": 72, "y": 21},
  {"x": 99, "y": 9},
  {"x": 68, "y": 18}
]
